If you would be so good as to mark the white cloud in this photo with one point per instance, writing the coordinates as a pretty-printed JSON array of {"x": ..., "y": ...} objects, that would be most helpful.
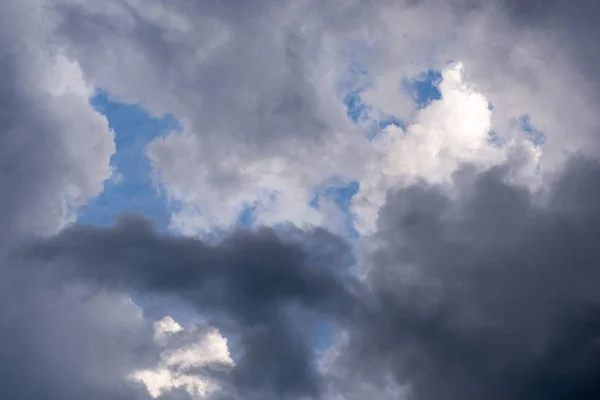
[
  {"x": 444, "y": 135},
  {"x": 213, "y": 191},
  {"x": 262, "y": 114},
  {"x": 183, "y": 351}
]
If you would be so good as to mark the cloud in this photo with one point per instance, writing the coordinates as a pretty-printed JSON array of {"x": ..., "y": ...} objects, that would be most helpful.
[
  {"x": 259, "y": 88},
  {"x": 250, "y": 85},
  {"x": 56, "y": 342},
  {"x": 486, "y": 292},
  {"x": 185, "y": 352},
  {"x": 252, "y": 282},
  {"x": 55, "y": 148},
  {"x": 453, "y": 130},
  {"x": 479, "y": 280}
]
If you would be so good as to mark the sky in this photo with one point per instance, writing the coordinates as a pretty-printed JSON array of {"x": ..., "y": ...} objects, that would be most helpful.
[
  {"x": 131, "y": 188},
  {"x": 294, "y": 200}
]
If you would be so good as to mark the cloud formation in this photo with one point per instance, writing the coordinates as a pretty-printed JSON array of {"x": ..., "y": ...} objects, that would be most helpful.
[
  {"x": 252, "y": 282},
  {"x": 55, "y": 152},
  {"x": 185, "y": 353},
  {"x": 258, "y": 88},
  {"x": 488, "y": 292},
  {"x": 475, "y": 272}
]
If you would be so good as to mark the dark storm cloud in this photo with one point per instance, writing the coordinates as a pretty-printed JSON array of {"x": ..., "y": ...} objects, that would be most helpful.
[
  {"x": 251, "y": 280},
  {"x": 489, "y": 295}
]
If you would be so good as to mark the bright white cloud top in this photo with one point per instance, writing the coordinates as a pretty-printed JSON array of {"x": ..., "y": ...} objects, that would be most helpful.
[{"x": 202, "y": 348}]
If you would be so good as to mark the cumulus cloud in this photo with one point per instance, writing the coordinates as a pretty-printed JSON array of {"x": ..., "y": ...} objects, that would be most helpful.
[
  {"x": 259, "y": 91},
  {"x": 488, "y": 292},
  {"x": 476, "y": 272},
  {"x": 252, "y": 283},
  {"x": 451, "y": 131},
  {"x": 251, "y": 86},
  {"x": 194, "y": 349}
]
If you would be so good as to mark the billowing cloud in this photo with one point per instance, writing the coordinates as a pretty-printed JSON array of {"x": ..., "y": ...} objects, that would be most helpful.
[
  {"x": 253, "y": 283},
  {"x": 251, "y": 88},
  {"x": 258, "y": 90},
  {"x": 475, "y": 271},
  {"x": 185, "y": 353},
  {"x": 451, "y": 131},
  {"x": 487, "y": 291}
]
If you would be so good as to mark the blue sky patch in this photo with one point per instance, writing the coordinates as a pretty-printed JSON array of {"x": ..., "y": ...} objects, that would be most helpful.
[
  {"x": 356, "y": 108},
  {"x": 494, "y": 139},
  {"x": 424, "y": 89},
  {"x": 362, "y": 114},
  {"x": 246, "y": 218},
  {"x": 535, "y": 135},
  {"x": 133, "y": 191}
]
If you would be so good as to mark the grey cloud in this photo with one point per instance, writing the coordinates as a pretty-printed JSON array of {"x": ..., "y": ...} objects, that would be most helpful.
[
  {"x": 251, "y": 71},
  {"x": 249, "y": 283},
  {"x": 68, "y": 345},
  {"x": 492, "y": 294},
  {"x": 240, "y": 70},
  {"x": 488, "y": 293},
  {"x": 570, "y": 27},
  {"x": 56, "y": 342},
  {"x": 252, "y": 85},
  {"x": 40, "y": 137}
]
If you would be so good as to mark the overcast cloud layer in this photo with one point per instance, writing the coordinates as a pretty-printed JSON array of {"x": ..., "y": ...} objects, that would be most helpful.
[{"x": 471, "y": 270}]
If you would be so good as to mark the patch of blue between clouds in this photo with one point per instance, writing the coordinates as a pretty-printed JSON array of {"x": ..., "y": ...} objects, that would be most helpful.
[
  {"x": 247, "y": 218},
  {"x": 493, "y": 138},
  {"x": 424, "y": 88},
  {"x": 133, "y": 190},
  {"x": 356, "y": 82},
  {"x": 533, "y": 134},
  {"x": 536, "y": 136},
  {"x": 361, "y": 113}
]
